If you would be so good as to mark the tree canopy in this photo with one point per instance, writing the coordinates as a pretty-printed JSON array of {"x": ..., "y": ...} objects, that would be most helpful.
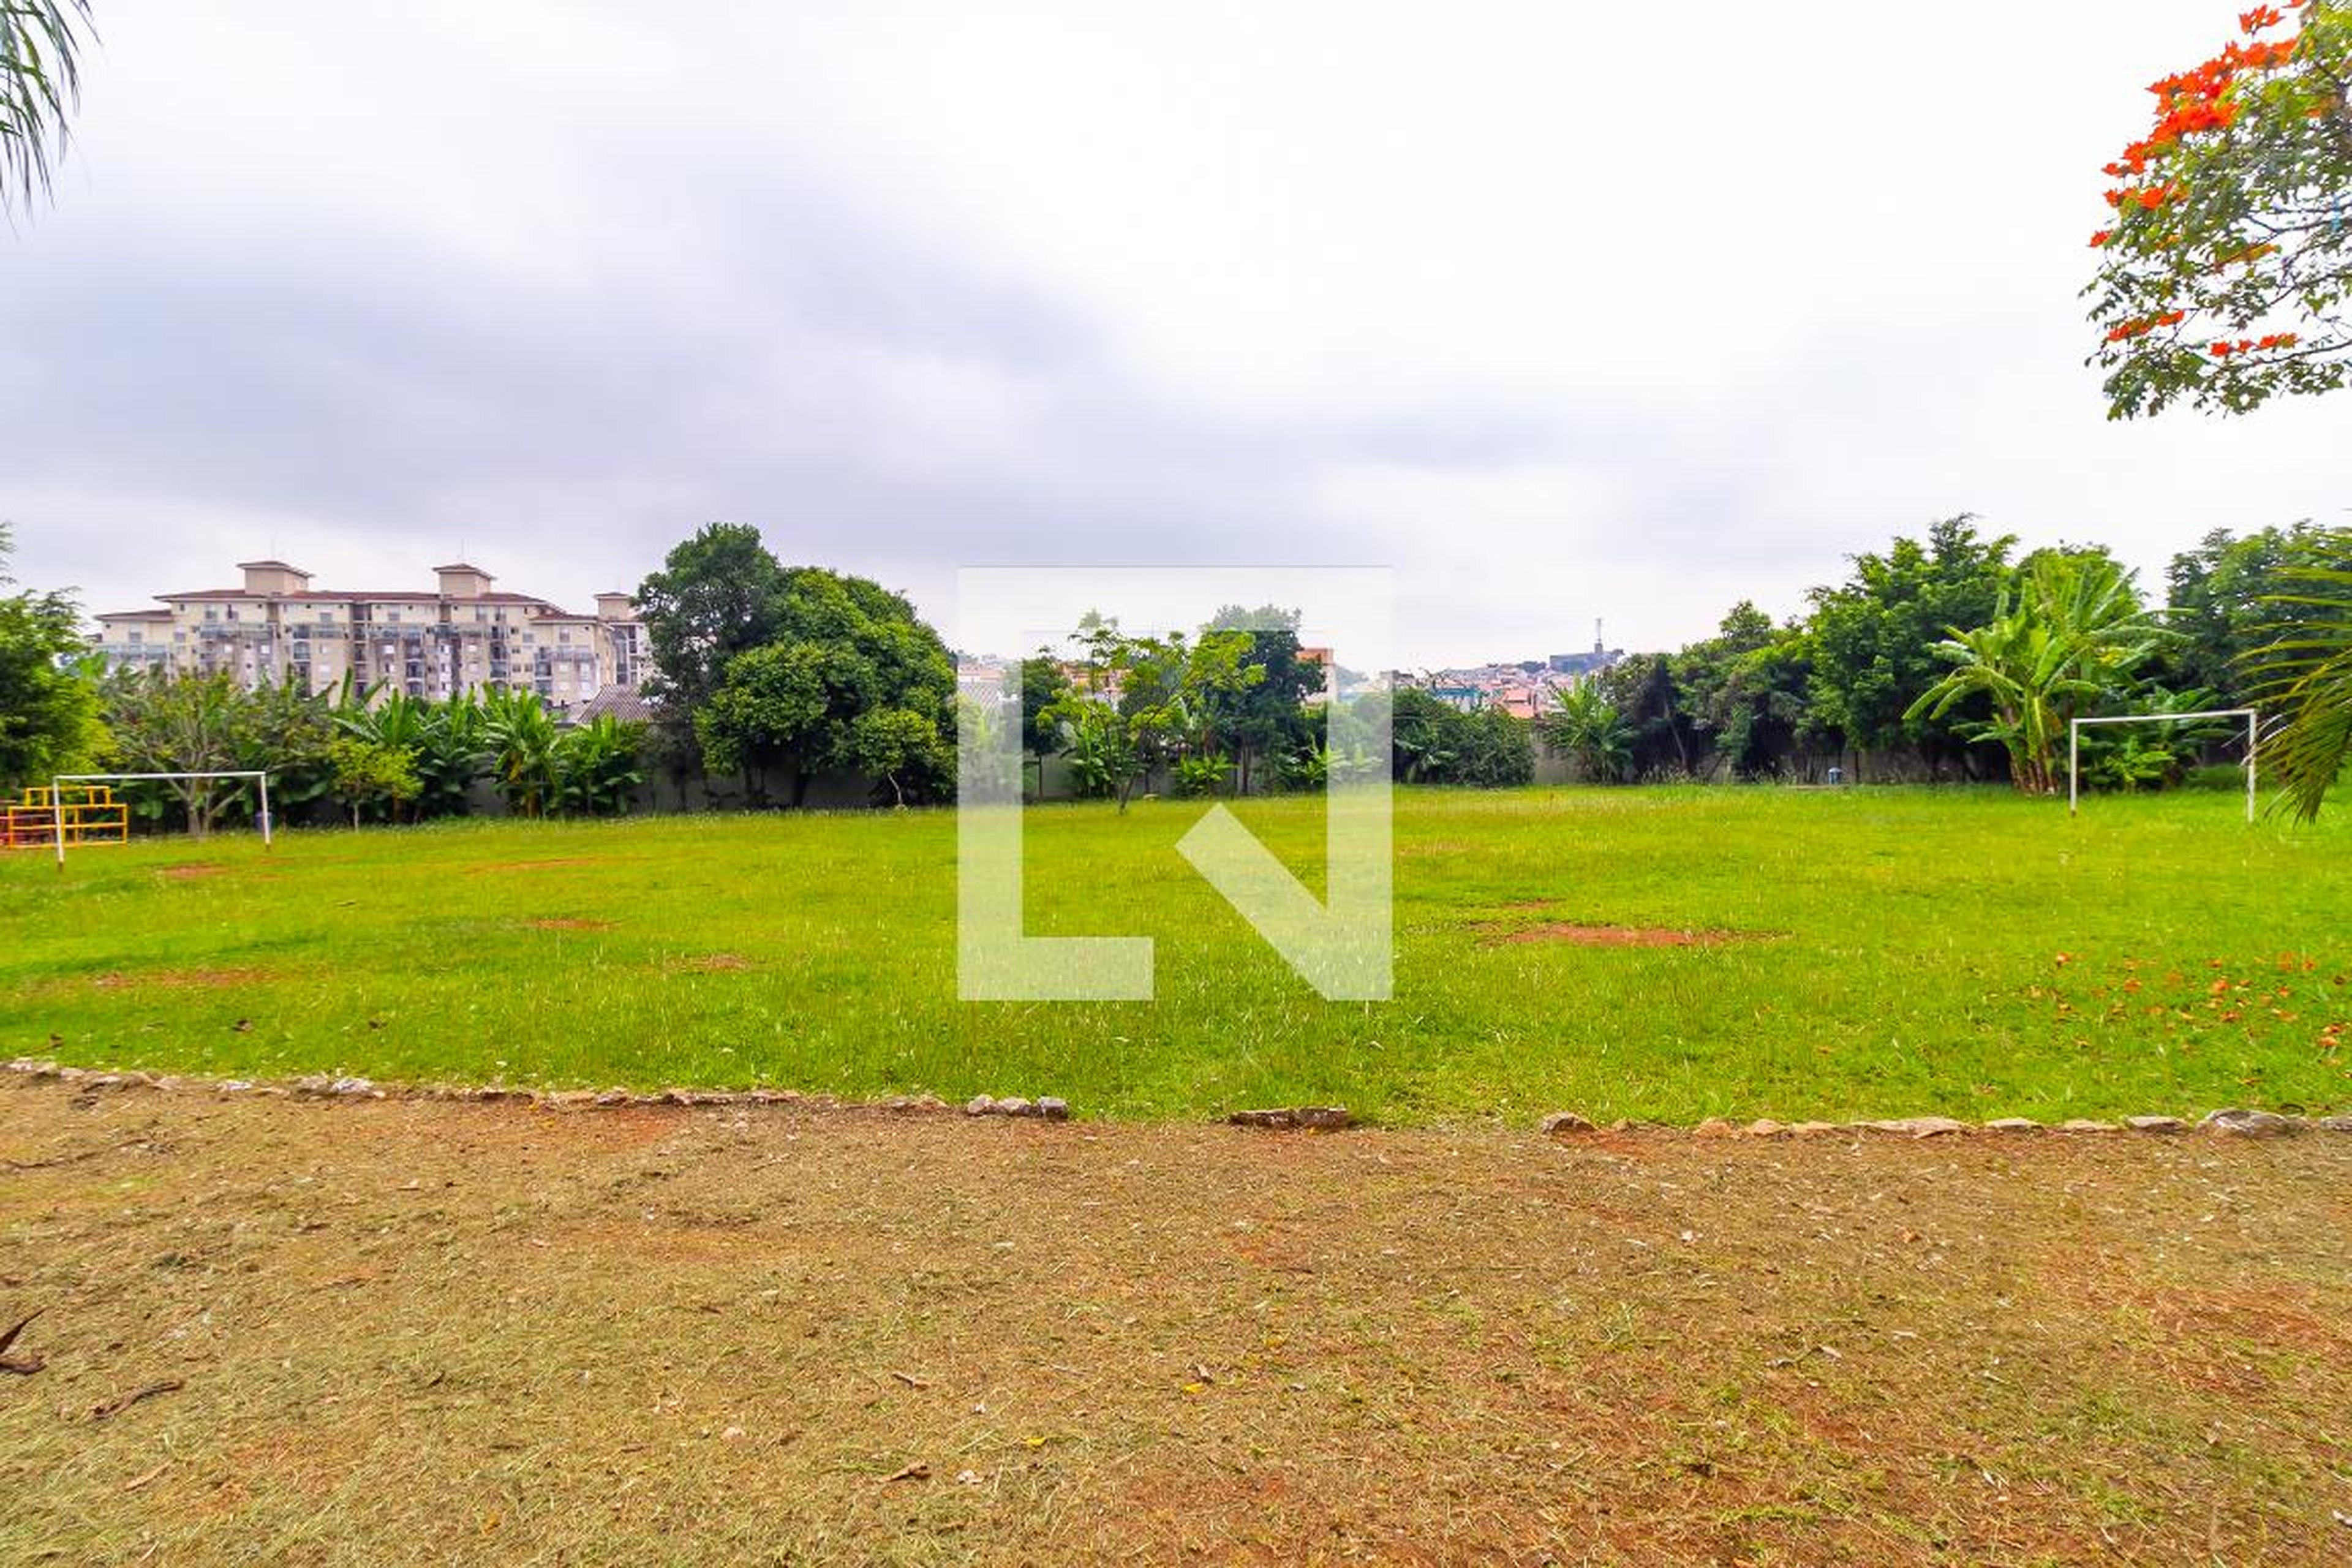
[
  {"x": 1872, "y": 637},
  {"x": 2225, "y": 271},
  {"x": 715, "y": 597},
  {"x": 846, "y": 676},
  {"x": 49, "y": 706}
]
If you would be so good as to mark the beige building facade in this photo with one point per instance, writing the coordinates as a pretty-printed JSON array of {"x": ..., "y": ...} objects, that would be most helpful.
[{"x": 460, "y": 636}]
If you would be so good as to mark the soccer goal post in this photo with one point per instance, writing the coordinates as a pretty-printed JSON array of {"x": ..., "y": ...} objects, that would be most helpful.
[
  {"x": 57, "y": 795},
  {"x": 2075, "y": 744}
]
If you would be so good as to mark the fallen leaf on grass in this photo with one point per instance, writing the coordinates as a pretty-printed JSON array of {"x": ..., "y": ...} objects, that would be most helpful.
[
  {"x": 123, "y": 1402},
  {"x": 23, "y": 1365}
]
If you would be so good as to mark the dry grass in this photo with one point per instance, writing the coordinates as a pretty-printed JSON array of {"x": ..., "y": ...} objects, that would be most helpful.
[{"x": 410, "y": 1332}]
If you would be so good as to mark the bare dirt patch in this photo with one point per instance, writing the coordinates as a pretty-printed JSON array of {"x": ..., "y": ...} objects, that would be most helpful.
[
  {"x": 567, "y": 923},
  {"x": 708, "y": 964},
  {"x": 182, "y": 979},
  {"x": 1622, "y": 936},
  {"x": 189, "y": 871},
  {"x": 411, "y": 1332}
]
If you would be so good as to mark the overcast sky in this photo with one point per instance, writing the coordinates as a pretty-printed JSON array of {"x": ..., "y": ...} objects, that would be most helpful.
[{"x": 1563, "y": 311}]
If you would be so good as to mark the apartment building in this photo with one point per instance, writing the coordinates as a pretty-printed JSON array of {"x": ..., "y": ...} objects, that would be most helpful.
[{"x": 460, "y": 636}]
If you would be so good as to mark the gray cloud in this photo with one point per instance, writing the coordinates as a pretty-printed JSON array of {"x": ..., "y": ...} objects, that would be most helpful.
[{"x": 908, "y": 293}]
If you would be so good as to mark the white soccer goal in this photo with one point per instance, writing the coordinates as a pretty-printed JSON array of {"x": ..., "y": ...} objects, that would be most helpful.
[
  {"x": 2075, "y": 744},
  {"x": 58, "y": 807}
]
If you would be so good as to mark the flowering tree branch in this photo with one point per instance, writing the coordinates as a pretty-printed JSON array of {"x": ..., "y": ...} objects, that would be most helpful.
[{"x": 2225, "y": 275}]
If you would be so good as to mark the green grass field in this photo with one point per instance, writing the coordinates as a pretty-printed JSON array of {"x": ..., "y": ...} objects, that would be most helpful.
[{"x": 1895, "y": 951}]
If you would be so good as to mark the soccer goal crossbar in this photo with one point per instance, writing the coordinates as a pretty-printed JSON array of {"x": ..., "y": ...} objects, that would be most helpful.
[
  {"x": 2075, "y": 744},
  {"x": 58, "y": 794}
]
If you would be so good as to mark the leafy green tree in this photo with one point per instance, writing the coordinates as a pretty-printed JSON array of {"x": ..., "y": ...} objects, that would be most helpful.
[
  {"x": 284, "y": 730},
  {"x": 983, "y": 765},
  {"x": 1270, "y": 717},
  {"x": 40, "y": 80},
  {"x": 523, "y": 745},
  {"x": 1872, "y": 638},
  {"x": 1425, "y": 735},
  {"x": 1586, "y": 727},
  {"x": 1100, "y": 748},
  {"x": 895, "y": 744},
  {"x": 1435, "y": 742},
  {"x": 157, "y": 721},
  {"x": 1498, "y": 751},
  {"x": 1747, "y": 692},
  {"x": 716, "y": 597},
  {"x": 841, "y": 648},
  {"x": 369, "y": 774},
  {"x": 599, "y": 766},
  {"x": 1182, "y": 694},
  {"x": 1144, "y": 704},
  {"x": 2222, "y": 603},
  {"x": 1043, "y": 684},
  {"x": 2070, "y": 635},
  {"x": 1762, "y": 715},
  {"x": 1661, "y": 734},
  {"x": 443, "y": 739},
  {"x": 49, "y": 698},
  {"x": 2225, "y": 274}
]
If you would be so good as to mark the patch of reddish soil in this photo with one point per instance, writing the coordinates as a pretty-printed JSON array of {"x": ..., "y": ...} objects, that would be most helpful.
[
  {"x": 1623, "y": 936},
  {"x": 182, "y": 979}
]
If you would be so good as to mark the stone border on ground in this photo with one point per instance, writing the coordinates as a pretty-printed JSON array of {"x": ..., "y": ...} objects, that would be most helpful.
[
  {"x": 325, "y": 1086},
  {"x": 2235, "y": 1122}
]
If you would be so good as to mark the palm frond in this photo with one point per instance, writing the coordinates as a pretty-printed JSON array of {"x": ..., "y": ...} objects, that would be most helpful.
[
  {"x": 2302, "y": 677},
  {"x": 40, "y": 83}
]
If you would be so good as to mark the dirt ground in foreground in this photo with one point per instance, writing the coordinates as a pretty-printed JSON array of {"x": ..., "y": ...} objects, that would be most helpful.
[{"x": 288, "y": 1331}]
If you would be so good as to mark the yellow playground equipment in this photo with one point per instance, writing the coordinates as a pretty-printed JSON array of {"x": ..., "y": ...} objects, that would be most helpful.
[{"x": 89, "y": 813}]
